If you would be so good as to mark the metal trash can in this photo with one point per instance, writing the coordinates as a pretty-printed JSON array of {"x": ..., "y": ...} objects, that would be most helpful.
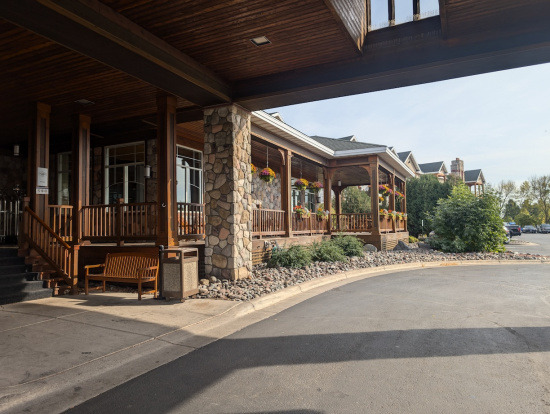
[{"x": 180, "y": 272}]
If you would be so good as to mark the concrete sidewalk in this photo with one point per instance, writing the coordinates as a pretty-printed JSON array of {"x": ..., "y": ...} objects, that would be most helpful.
[{"x": 59, "y": 352}]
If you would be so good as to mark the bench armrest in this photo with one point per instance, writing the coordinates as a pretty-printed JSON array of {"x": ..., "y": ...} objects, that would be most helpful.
[
  {"x": 88, "y": 267},
  {"x": 144, "y": 270}
]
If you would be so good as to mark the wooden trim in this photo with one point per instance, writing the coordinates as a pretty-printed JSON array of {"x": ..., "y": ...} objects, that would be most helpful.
[{"x": 443, "y": 18}]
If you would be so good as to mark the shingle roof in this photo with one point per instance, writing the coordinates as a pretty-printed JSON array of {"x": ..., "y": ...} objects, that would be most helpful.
[
  {"x": 342, "y": 144},
  {"x": 432, "y": 167},
  {"x": 471, "y": 176},
  {"x": 404, "y": 155}
]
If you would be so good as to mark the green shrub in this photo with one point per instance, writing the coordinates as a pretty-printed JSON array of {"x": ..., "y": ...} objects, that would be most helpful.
[
  {"x": 295, "y": 257},
  {"x": 351, "y": 245},
  {"x": 466, "y": 223},
  {"x": 413, "y": 239},
  {"x": 327, "y": 251}
]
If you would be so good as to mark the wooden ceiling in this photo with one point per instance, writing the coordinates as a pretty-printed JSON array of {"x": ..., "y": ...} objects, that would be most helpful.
[{"x": 120, "y": 53}]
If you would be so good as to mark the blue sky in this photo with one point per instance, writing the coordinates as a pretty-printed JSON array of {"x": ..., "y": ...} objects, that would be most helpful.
[{"x": 499, "y": 122}]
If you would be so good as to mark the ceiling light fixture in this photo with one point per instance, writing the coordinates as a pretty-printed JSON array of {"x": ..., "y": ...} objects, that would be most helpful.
[
  {"x": 260, "y": 41},
  {"x": 84, "y": 102}
]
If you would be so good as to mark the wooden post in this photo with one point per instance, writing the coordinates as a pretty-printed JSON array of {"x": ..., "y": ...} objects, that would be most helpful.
[
  {"x": 24, "y": 226},
  {"x": 327, "y": 195},
  {"x": 39, "y": 157},
  {"x": 416, "y": 10},
  {"x": 118, "y": 221},
  {"x": 167, "y": 193},
  {"x": 374, "y": 198},
  {"x": 391, "y": 12},
  {"x": 286, "y": 185},
  {"x": 404, "y": 201},
  {"x": 259, "y": 218},
  {"x": 73, "y": 271},
  {"x": 80, "y": 172},
  {"x": 338, "y": 205},
  {"x": 392, "y": 199}
]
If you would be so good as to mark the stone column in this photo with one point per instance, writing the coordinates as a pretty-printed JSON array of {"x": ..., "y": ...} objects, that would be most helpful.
[{"x": 227, "y": 200}]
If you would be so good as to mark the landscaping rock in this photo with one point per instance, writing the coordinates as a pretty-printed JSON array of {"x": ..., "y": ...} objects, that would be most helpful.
[
  {"x": 369, "y": 248},
  {"x": 401, "y": 245}
]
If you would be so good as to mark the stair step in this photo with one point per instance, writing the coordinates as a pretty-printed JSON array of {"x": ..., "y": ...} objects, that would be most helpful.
[
  {"x": 25, "y": 287},
  {"x": 8, "y": 270},
  {"x": 25, "y": 296},
  {"x": 8, "y": 261},
  {"x": 8, "y": 252},
  {"x": 18, "y": 278}
]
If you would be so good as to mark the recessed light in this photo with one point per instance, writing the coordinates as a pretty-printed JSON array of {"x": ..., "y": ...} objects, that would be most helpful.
[
  {"x": 84, "y": 102},
  {"x": 260, "y": 41}
]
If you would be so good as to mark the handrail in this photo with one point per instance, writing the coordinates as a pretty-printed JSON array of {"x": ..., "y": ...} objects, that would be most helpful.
[
  {"x": 267, "y": 222},
  {"x": 53, "y": 249}
]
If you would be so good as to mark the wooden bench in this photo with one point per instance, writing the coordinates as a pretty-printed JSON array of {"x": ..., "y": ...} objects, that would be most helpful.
[{"x": 126, "y": 267}]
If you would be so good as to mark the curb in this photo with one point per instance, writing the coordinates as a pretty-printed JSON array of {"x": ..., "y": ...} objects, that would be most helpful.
[{"x": 245, "y": 308}]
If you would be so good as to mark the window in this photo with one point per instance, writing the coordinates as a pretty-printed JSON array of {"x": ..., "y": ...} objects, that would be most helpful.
[
  {"x": 124, "y": 173},
  {"x": 64, "y": 166},
  {"x": 308, "y": 200},
  {"x": 189, "y": 175}
]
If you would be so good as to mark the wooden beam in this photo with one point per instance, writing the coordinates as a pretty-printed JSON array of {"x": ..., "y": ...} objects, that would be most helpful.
[
  {"x": 286, "y": 186},
  {"x": 421, "y": 57},
  {"x": 80, "y": 172},
  {"x": 443, "y": 18},
  {"x": 349, "y": 18},
  {"x": 39, "y": 157},
  {"x": 351, "y": 162},
  {"x": 95, "y": 30}
]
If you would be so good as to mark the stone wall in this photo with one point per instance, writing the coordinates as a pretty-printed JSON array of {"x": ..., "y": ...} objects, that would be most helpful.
[
  {"x": 228, "y": 210},
  {"x": 269, "y": 194}
]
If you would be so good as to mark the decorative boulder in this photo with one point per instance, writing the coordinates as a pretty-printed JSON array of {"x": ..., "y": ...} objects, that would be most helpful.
[
  {"x": 369, "y": 248},
  {"x": 401, "y": 245}
]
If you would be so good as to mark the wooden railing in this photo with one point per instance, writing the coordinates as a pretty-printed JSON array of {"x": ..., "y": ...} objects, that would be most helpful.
[
  {"x": 119, "y": 222},
  {"x": 61, "y": 256},
  {"x": 308, "y": 225},
  {"x": 355, "y": 223},
  {"x": 61, "y": 221},
  {"x": 267, "y": 223},
  {"x": 191, "y": 221}
]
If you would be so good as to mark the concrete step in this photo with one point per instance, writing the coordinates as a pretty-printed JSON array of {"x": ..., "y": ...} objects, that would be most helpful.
[
  {"x": 24, "y": 296},
  {"x": 11, "y": 260},
  {"x": 8, "y": 270},
  {"x": 18, "y": 278},
  {"x": 8, "y": 251}
]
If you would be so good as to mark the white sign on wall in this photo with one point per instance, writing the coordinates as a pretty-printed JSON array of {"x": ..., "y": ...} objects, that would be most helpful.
[{"x": 42, "y": 180}]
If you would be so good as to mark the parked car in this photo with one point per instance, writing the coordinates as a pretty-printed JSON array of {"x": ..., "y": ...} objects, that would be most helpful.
[
  {"x": 529, "y": 229},
  {"x": 515, "y": 230},
  {"x": 508, "y": 237},
  {"x": 544, "y": 228}
]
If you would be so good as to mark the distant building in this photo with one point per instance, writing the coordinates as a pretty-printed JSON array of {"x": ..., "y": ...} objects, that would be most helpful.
[
  {"x": 408, "y": 159},
  {"x": 475, "y": 180},
  {"x": 439, "y": 169}
]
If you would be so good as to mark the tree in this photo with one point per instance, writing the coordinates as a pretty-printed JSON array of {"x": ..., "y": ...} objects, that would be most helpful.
[
  {"x": 422, "y": 196},
  {"x": 466, "y": 223},
  {"x": 511, "y": 210},
  {"x": 540, "y": 192},
  {"x": 354, "y": 200},
  {"x": 524, "y": 218},
  {"x": 504, "y": 191}
]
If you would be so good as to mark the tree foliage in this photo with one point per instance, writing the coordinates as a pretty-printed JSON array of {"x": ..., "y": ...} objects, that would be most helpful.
[
  {"x": 355, "y": 200},
  {"x": 540, "y": 193},
  {"x": 466, "y": 223},
  {"x": 504, "y": 191},
  {"x": 423, "y": 194}
]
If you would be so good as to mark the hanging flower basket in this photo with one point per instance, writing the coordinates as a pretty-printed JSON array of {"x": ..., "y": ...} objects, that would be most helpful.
[
  {"x": 315, "y": 186},
  {"x": 267, "y": 175},
  {"x": 399, "y": 195},
  {"x": 384, "y": 190},
  {"x": 301, "y": 184},
  {"x": 301, "y": 211},
  {"x": 253, "y": 169},
  {"x": 380, "y": 199}
]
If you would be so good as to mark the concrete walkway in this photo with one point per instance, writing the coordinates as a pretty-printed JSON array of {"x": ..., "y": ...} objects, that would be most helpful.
[{"x": 58, "y": 352}]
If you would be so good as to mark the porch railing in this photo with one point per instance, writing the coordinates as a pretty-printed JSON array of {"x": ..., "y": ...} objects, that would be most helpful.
[
  {"x": 191, "y": 223},
  {"x": 308, "y": 225},
  {"x": 119, "y": 222},
  {"x": 354, "y": 223},
  {"x": 61, "y": 221},
  {"x": 267, "y": 223},
  {"x": 10, "y": 217}
]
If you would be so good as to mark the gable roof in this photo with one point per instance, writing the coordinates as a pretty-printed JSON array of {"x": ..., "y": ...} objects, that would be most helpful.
[
  {"x": 404, "y": 155},
  {"x": 433, "y": 167},
  {"x": 473, "y": 176},
  {"x": 343, "y": 144}
]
